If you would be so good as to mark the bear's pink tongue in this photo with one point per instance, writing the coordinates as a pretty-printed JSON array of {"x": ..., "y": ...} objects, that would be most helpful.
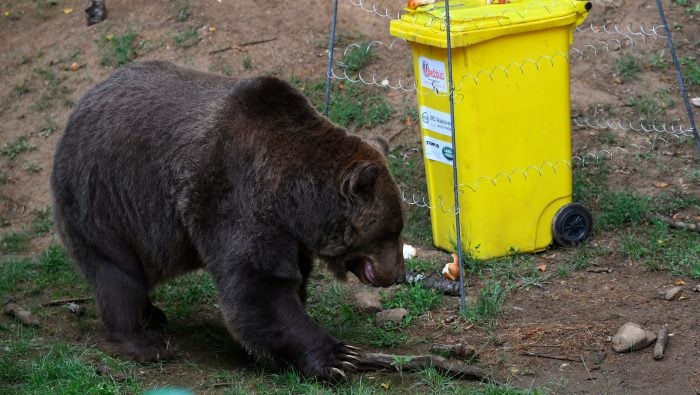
[{"x": 368, "y": 271}]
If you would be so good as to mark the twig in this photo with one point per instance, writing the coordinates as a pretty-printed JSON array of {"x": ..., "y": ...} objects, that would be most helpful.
[
  {"x": 265, "y": 40},
  {"x": 599, "y": 270},
  {"x": 548, "y": 356},
  {"x": 224, "y": 49},
  {"x": 20, "y": 313},
  {"x": 61, "y": 302},
  {"x": 679, "y": 224},
  {"x": 379, "y": 361},
  {"x": 661, "y": 343}
]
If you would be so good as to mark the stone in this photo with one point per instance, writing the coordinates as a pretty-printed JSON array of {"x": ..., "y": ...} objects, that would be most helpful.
[
  {"x": 674, "y": 293},
  {"x": 367, "y": 301},
  {"x": 391, "y": 315},
  {"x": 632, "y": 337}
]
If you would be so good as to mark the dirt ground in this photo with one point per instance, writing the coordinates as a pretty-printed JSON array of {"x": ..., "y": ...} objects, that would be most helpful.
[{"x": 572, "y": 316}]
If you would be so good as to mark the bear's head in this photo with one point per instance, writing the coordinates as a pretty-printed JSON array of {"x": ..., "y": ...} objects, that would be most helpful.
[{"x": 372, "y": 247}]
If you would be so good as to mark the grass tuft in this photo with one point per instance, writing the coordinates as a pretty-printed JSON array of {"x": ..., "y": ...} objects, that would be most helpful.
[{"x": 117, "y": 50}]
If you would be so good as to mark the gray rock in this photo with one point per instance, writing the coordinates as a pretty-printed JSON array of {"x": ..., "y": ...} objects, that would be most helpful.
[
  {"x": 391, "y": 315},
  {"x": 632, "y": 337},
  {"x": 367, "y": 301},
  {"x": 673, "y": 293}
]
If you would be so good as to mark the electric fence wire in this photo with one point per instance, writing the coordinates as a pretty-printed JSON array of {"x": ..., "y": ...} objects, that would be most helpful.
[
  {"x": 458, "y": 233},
  {"x": 679, "y": 75}
]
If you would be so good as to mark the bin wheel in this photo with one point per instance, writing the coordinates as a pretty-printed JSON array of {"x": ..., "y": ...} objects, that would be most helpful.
[{"x": 572, "y": 224}]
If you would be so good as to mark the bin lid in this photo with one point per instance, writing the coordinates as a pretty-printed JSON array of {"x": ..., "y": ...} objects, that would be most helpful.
[{"x": 473, "y": 21}]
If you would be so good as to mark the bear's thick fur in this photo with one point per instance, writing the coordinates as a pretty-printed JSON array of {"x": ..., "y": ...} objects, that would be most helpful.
[{"x": 162, "y": 170}]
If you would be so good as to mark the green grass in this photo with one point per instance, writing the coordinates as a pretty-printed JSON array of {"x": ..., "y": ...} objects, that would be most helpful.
[
  {"x": 51, "y": 270},
  {"x": 419, "y": 265},
  {"x": 21, "y": 89},
  {"x": 579, "y": 259},
  {"x": 16, "y": 148},
  {"x": 414, "y": 298},
  {"x": 117, "y": 50},
  {"x": 29, "y": 365},
  {"x": 13, "y": 272},
  {"x": 331, "y": 306},
  {"x": 658, "y": 247},
  {"x": 691, "y": 70},
  {"x": 488, "y": 304},
  {"x": 622, "y": 208},
  {"x": 357, "y": 57},
  {"x": 14, "y": 242},
  {"x": 52, "y": 89},
  {"x": 183, "y": 13},
  {"x": 406, "y": 166},
  {"x": 184, "y": 295},
  {"x": 628, "y": 67},
  {"x": 354, "y": 106},
  {"x": 247, "y": 62},
  {"x": 49, "y": 126},
  {"x": 652, "y": 106},
  {"x": 187, "y": 37}
]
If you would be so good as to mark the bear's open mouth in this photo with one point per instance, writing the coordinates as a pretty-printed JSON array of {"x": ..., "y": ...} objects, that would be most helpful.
[{"x": 363, "y": 269}]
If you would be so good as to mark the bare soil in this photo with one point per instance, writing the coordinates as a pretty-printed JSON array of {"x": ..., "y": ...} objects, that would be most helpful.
[{"x": 573, "y": 316}]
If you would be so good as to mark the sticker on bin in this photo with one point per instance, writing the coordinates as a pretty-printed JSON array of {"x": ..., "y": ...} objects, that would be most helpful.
[
  {"x": 437, "y": 121},
  {"x": 438, "y": 150},
  {"x": 432, "y": 74}
]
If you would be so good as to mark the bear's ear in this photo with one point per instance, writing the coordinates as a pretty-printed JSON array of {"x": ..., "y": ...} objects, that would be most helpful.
[
  {"x": 381, "y": 144},
  {"x": 357, "y": 184}
]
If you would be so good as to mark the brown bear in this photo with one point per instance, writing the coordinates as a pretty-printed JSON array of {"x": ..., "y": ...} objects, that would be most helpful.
[{"x": 163, "y": 170}]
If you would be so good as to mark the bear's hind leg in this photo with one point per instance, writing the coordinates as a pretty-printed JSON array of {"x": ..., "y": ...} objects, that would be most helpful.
[{"x": 121, "y": 294}]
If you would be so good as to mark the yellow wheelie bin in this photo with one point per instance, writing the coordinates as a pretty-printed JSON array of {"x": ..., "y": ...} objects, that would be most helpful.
[{"x": 512, "y": 124}]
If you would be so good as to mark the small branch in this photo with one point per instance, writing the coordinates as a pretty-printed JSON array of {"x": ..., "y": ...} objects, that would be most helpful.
[
  {"x": 20, "y": 313},
  {"x": 599, "y": 270},
  {"x": 265, "y": 40},
  {"x": 661, "y": 343},
  {"x": 224, "y": 49},
  {"x": 679, "y": 224},
  {"x": 61, "y": 302},
  {"x": 396, "y": 363},
  {"x": 548, "y": 356}
]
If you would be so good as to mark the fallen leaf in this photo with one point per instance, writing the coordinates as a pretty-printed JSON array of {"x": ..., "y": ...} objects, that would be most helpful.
[
  {"x": 660, "y": 184},
  {"x": 109, "y": 37},
  {"x": 680, "y": 282},
  {"x": 408, "y": 121},
  {"x": 67, "y": 11},
  {"x": 385, "y": 386},
  {"x": 542, "y": 267},
  {"x": 212, "y": 29}
]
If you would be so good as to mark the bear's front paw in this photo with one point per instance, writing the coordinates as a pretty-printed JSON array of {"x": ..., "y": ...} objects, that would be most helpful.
[
  {"x": 333, "y": 366},
  {"x": 140, "y": 350}
]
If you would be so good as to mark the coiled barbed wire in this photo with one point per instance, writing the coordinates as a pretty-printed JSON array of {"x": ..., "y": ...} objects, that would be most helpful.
[
  {"x": 672, "y": 129},
  {"x": 638, "y": 32},
  {"x": 583, "y": 159},
  {"x": 384, "y": 13}
]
